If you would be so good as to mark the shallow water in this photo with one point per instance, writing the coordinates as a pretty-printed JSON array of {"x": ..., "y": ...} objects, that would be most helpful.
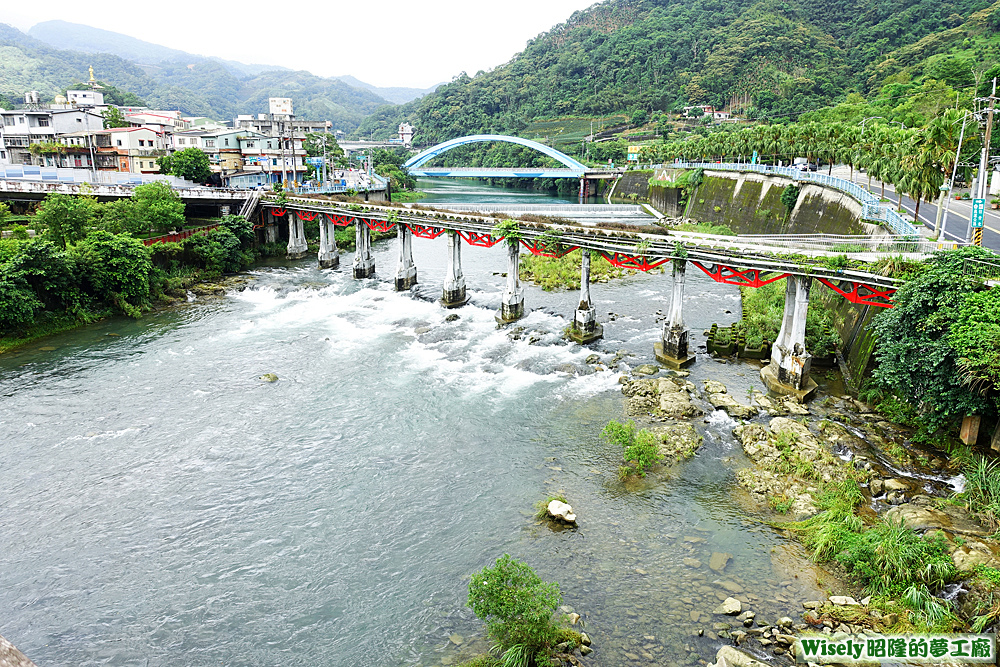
[{"x": 163, "y": 505}]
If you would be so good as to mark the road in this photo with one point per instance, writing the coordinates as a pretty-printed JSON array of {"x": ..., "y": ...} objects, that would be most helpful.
[{"x": 959, "y": 212}]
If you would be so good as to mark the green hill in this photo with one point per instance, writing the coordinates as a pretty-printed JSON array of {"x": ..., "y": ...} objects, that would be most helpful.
[
  {"x": 203, "y": 87},
  {"x": 767, "y": 58}
]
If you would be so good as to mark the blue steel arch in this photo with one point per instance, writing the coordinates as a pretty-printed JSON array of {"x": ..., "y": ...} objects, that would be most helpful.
[{"x": 418, "y": 160}]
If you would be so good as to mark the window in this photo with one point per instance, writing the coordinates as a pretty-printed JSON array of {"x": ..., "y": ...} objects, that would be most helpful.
[
  {"x": 274, "y": 161},
  {"x": 209, "y": 143},
  {"x": 20, "y": 120},
  {"x": 79, "y": 120},
  {"x": 119, "y": 142},
  {"x": 227, "y": 142},
  {"x": 142, "y": 143},
  {"x": 43, "y": 122},
  {"x": 180, "y": 142}
]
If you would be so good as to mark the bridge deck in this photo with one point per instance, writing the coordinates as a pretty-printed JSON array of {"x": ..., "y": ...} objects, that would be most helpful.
[{"x": 800, "y": 257}]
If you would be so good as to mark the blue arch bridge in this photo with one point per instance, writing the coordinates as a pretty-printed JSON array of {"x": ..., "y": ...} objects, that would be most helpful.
[
  {"x": 746, "y": 261},
  {"x": 571, "y": 168}
]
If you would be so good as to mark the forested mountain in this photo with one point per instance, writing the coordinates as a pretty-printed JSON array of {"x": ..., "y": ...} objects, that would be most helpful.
[
  {"x": 767, "y": 58},
  {"x": 78, "y": 37},
  {"x": 204, "y": 87}
]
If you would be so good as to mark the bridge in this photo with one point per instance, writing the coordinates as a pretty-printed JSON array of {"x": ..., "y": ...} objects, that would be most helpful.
[
  {"x": 572, "y": 168},
  {"x": 750, "y": 261}
]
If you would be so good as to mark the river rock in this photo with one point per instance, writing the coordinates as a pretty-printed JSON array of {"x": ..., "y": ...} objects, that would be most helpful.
[
  {"x": 677, "y": 442},
  {"x": 719, "y": 561},
  {"x": 729, "y": 656},
  {"x": 713, "y": 387},
  {"x": 692, "y": 562},
  {"x": 454, "y": 317},
  {"x": 662, "y": 397},
  {"x": 586, "y": 650},
  {"x": 895, "y": 485},
  {"x": 585, "y": 639},
  {"x": 793, "y": 407},
  {"x": 730, "y": 606},
  {"x": 973, "y": 553},
  {"x": 723, "y": 401},
  {"x": 457, "y": 640},
  {"x": 560, "y": 510},
  {"x": 730, "y": 586},
  {"x": 924, "y": 518},
  {"x": 843, "y": 601},
  {"x": 593, "y": 359},
  {"x": 646, "y": 369},
  {"x": 876, "y": 486},
  {"x": 269, "y": 377}
]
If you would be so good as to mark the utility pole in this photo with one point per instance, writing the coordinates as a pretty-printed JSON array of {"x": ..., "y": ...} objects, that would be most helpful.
[
  {"x": 951, "y": 184},
  {"x": 976, "y": 235}
]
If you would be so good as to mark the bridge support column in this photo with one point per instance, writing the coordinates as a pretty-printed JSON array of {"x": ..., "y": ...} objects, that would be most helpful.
[
  {"x": 673, "y": 350},
  {"x": 328, "y": 256},
  {"x": 788, "y": 372},
  {"x": 585, "y": 328},
  {"x": 512, "y": 302},
  {"x": 297, "y": 246},
  {"x": 406, "y": 272},
  {"x": 364, "y": 262},
  {"x": 270, "y": 228},
  {"x": 453, "y": 295}
]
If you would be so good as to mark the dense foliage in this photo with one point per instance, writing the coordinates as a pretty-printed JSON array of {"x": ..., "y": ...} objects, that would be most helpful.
[
  {"x": 516, "y": 605},
  {"x": 189, "y": 163},
  {"x": 87, "y": 261},
  {"x": 767, "y": 59},
  {"x": 923, "y": 340}
]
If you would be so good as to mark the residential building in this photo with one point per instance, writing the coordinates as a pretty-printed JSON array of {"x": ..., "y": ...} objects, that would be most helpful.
[
  {"x": 22, "y": 128},
  {"x": 136, "y": 149}
]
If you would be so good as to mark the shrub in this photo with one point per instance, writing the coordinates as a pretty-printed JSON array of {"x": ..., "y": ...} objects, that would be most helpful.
[
  {"x": 982, "y": 490},
  {"x": 515, "y": 604},
  {"x": 789, "y": 196},
  {"x": 65, "y": 218},
  {"x": 217, "y": 250},
  {"x": 640, "y": 446}
]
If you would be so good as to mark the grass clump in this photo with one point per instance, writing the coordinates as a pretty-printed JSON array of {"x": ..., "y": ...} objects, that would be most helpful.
[
  {"x": 542, "y": 506},
  {"x": 639, "y": 446},
  {"x": 763, "y": 308},
  {"x": 705, "y": 228},
  {"x": 982, "y": 490}
]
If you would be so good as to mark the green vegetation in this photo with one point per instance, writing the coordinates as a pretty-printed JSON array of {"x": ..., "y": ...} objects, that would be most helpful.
[
  {"x": 553, "y": 273},
  {"x": 891, "y": 561},
  {"x": 929, "y": 352},
  {"x": 542, "y": 506},
  {"x": 789, "y": 196},
  {"x": 982, "y": 490},
  {"x": 763, "y": 308},
  {"x": 113, "y": 117},
  {"x": 84, "y": 266},
  {"x": 705, "y": 228},
  {"x": 641, "y": 450},
  {"x": 190, "y": 163},
  {"x": 517, "y": 607}
]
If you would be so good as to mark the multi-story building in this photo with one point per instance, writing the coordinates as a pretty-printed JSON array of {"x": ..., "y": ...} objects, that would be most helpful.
[
  {"x": 21, "y": 129},
  {"x": 135, "y": 148}
]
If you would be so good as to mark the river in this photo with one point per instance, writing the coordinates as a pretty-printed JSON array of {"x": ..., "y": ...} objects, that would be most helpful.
[{"x": 162, "y": 505}]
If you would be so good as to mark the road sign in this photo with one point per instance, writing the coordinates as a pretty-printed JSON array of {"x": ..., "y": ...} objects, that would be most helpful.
[
  {"x": 315, "y": 161},
  {"x": 753, "y": 160},
  {"x": 978, "y": 213}
]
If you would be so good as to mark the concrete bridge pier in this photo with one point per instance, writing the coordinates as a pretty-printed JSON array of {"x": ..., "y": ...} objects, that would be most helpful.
[
  {"x": 364, "y": 262},
  {"x": 270, "y": 228},
  {"x": 406, "y": 272},
  {"x": 788, "y": 372},
  {"x": 328, "y": 256},
  {"x": 297, "y": 246},
  {"x": 585, "y": 328},
  {"x": 453, "y": 295},
  {"x": 512, "y": 301},
  {"x": 673, "y": 350}
]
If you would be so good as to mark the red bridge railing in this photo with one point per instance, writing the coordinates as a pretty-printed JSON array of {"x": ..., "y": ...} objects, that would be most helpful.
[{"x": 179, "y": 236}]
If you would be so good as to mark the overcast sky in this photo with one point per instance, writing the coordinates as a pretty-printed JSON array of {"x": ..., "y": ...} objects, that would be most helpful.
[{"x": 386, "y": 42}]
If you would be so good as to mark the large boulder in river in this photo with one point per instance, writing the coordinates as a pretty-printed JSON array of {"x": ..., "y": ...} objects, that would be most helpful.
[
  {"x": 557, "y": 509},
  {"x": 677, "y": 442},
  {"x": 663, "y": 397},
  {"x": 720, "y": 399}
]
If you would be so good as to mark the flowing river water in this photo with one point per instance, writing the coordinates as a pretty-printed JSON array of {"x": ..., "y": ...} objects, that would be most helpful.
[{"x": 161, "y": 505}]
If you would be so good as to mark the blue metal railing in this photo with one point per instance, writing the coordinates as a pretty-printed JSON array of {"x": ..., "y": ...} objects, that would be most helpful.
[{"x": 871, "y": 207}]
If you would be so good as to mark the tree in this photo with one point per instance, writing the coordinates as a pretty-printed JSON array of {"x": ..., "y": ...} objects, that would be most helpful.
[
  {"x": 157, "y": 207},
  {"x": 313, "y": 145},
  {"x": 190, "y": 163},
  {"x": 113, "y": 117},
  {"x": 4, "y": 213},
  {"x": 116, "y": 269},
  {"x": 515, "y": 604},
  {"x": 66, "y": 218}
]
